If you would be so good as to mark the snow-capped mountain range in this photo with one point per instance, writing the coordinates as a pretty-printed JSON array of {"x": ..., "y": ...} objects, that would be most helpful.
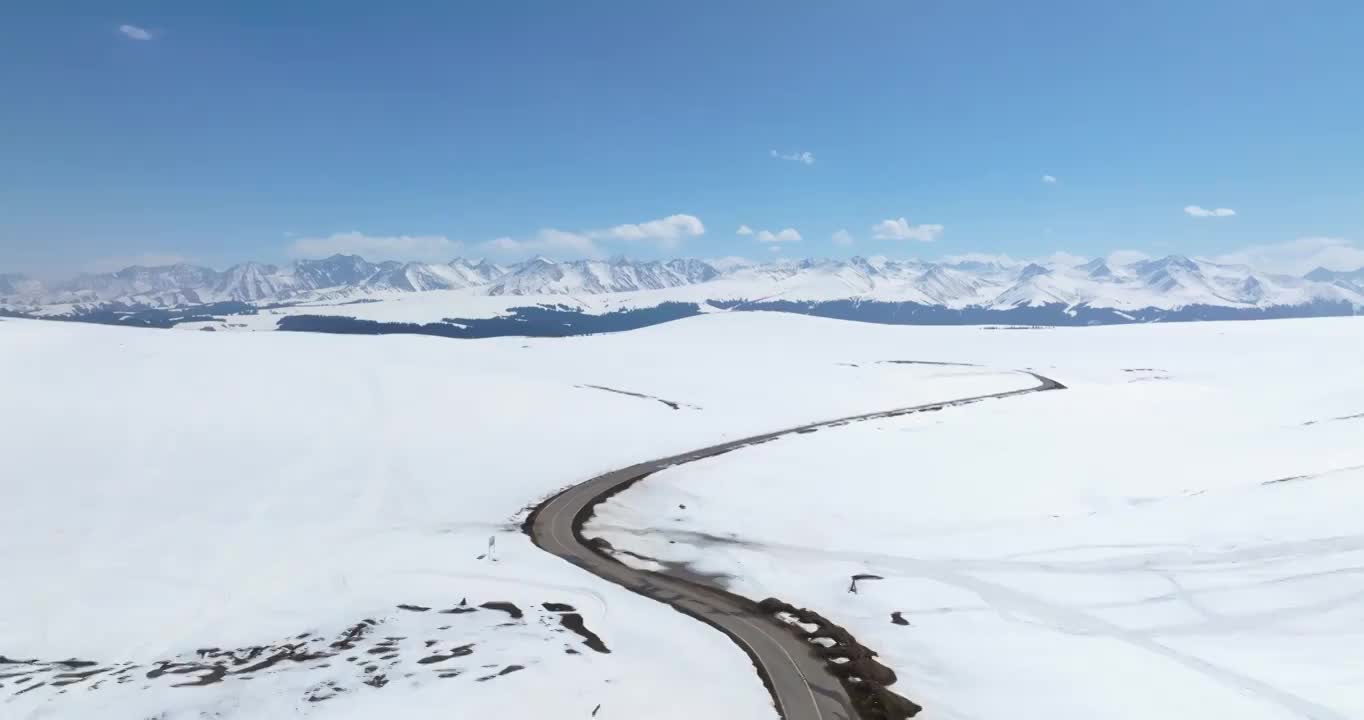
[{"x": 1169, "y": 282}]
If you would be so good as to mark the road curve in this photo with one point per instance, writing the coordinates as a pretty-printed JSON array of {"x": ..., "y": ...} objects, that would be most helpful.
[{"x": 800, "y": 682}]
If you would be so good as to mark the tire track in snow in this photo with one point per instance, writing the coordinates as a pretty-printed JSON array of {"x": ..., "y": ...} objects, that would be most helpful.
[{"x": 1018, "y": 605}]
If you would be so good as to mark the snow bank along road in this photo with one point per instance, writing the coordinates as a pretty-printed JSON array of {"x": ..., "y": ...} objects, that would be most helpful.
[{"x": 800, "y": 681}]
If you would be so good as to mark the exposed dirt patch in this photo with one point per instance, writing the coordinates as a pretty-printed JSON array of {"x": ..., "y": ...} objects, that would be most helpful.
[
  {"x": 864, "y": 678},
  {"x": 504, "y": 671},
  {"x": 71, "y": 678},
  {"x": 670, "y": 403},
  {"x": 574, "y": 622},
  {"x": 324, "y": 691},
  {"x": 506, "y": 607},
  {"x": 460, "y": 651},
  {"x": 928, "y": 362},
  {"x": 377, "y": 681},
  {"x": 676, "y": 569},
  {"x": 417, "y": 647},
  {"x": 852, "y": 586},
  {"x": 1359, "y": 416},
  {"x": 1312, "y": 476}
]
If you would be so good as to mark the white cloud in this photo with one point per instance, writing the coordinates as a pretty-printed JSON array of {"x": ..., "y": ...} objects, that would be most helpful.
[
  {"x": 729, "y": 262},
  {"x": 1049, "y": 179},
  {"x": 774, "y": 248},
  {"x": 1126, "y": 257},
  {"x": 376, "y": 247},
  {"x": 1300, "y": 256},
  {"x": 666, "y": 232},
  {"x": 1197, "y": 211},
  {"x": 900, "y": 229},
  {"x": 135, "y": 32},
  {"x": 1061, "y": 257},
  {"x": 112, "y": 264},
  {"x": 842, "y": 237},
  {"x": 789, "y": 235},
  {"x": 804, "y": 157},
  {"x": 977, "y": 257},
  {"x": 744, "y": 230},
  {"x": 548, "y": 241},
  {"x": 502, "y": 244}
]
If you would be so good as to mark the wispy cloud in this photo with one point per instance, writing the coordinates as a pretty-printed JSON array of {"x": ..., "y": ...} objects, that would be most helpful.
[
  {"x": 900, "y": 229},
  {"x": 788, "y": 235},
  {"x": 548, "y": 241},
  {"x": 1300, "y": 256},
  {"x": 979, "y": 257},
  {"x": 1050, "y": 179},
  {"x": 376, "y": 247},
  {"x": 135, "y": 32},
  {"x": 1202, "y": 212},
  {"x": 1061, "y": 257},
  {"x": 1126, "y": 257},
  {"x": 842, "y": 237},
  {"x": 665, "y": 233},
  {"x": 804, "y": 157},
  {"x": 729, "y": 262}
]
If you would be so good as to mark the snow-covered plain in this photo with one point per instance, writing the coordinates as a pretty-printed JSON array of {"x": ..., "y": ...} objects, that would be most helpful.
[
  {"x": 1176, "y": 535},
  {"x": 169, "y": 496}
]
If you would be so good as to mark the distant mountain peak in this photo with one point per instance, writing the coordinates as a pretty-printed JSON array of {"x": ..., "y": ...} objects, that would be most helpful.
[
  {"x": 1252, "y": 289},
  {"x": 1171, "y": 261},
  {"x": 20, "y": 286},
  {"x": 1097, "y": 268},
  {"x": 1168, "y": 282}
]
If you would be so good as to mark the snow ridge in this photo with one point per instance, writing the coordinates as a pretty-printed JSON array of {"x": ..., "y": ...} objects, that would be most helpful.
[{"x": 1169, "y": 282}]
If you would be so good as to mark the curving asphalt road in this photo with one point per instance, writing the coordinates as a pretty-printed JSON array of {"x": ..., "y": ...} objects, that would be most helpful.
[{"x": 799, "y": 681}]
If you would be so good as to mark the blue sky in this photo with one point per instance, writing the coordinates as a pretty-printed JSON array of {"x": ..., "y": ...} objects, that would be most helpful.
[{"x": 263, "y": 130}]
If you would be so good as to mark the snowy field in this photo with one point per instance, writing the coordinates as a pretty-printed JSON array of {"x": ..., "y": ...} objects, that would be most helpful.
[
  {"x": 174, "y": 500},
  {"x": 1176, "y": 535}
]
